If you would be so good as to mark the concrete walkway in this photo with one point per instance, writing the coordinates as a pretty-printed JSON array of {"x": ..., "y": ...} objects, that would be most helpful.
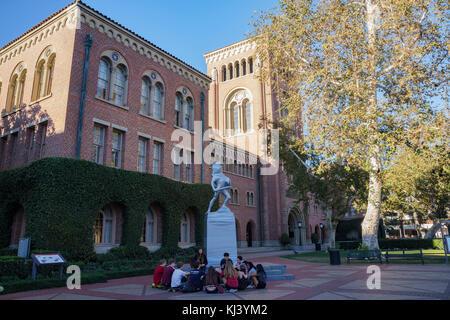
[{"x": 313, "y": 281}]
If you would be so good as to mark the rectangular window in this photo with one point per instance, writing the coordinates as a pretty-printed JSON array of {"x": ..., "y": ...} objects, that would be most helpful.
[
  {"x": 142, "y": 155},
  {"x": 117, "y": 146},
  {"x": 190, "y": 167},
  {"x": 99, "y": 144},
  {"x": 178, "y": 155},
  {"x": 3, "y": 145},
  {"x": 157, "y": 157},
  {"x": 12, "y": 149},
  {"x": 31, "y": 136},
  {"x": 41, "y": 140}
]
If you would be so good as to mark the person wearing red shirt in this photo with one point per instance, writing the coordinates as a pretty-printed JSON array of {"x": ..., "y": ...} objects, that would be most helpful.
[{"x": 157, "y": 275}]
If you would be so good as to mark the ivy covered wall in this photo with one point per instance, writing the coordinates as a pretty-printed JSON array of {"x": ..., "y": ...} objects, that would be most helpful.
[{"x": 61, "y": 199}]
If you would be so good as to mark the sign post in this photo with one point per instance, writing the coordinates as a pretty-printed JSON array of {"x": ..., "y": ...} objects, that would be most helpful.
[
  {"x": 445, "y": 239},
  {"x": 24, "y": 248},
  {"x": 47, "y": 259}
]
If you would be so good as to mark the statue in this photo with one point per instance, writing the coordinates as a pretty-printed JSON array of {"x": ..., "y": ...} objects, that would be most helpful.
[{"x": 220, "y": 185}]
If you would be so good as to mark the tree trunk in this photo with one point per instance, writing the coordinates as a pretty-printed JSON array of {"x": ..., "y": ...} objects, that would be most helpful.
[
  {"x": 372, "y": 218},
  {"x": 333, "y": 236},
  {"x": 432, "y": 232}
]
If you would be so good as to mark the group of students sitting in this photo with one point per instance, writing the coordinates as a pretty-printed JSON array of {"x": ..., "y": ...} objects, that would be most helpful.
[{"x": 229, "y": 277}]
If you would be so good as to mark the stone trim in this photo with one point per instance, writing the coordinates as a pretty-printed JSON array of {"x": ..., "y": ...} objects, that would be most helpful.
[
  {"x": 115, "y": 126},
  {"x": 143, "y": 135},
  {"x": 105, "y": 123}
]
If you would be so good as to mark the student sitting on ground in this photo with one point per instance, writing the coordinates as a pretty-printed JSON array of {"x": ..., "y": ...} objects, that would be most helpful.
[
  {"x": 166, "y": 280},
  {"x": 200, "y": 257},
  {"x": 178, "y": 278},
  {"x": 195, "y": 282},
  {"x": 230, "y": 277},
  {"x": 212, "y": 281},
  {"x": 223, "y": 262},
  {"x": 158, "y": 274},
  {"x": 262, "y": 277},
  {"x": 240, "y": 265},
  {"x": 252, "y": 275}
]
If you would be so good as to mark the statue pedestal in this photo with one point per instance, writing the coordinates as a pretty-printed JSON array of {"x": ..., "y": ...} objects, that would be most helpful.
[{"x": 220, "y": 236}]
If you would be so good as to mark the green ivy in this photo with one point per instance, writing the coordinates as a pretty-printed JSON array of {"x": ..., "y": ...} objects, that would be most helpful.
[{"x": 61, "y": 198}]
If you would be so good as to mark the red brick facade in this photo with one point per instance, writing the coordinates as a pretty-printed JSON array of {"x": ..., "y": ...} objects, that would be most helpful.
[{"x": 48, "y": 126}]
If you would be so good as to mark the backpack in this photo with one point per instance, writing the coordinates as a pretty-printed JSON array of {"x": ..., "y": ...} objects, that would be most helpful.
[{"x": 243, "y": 283}]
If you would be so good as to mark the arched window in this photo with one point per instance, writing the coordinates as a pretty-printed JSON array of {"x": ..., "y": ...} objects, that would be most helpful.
[
  {"x": 119, "y": 85},
  {"x": 39, "y": 81},
  {"x": 250, "y": 65},
  {"x": 145, "y": 96},
  {"x": 184, "y": 235},
  {"x": 251, "y": 172},
  {"x": 189, "y": 117},
  {"x": 244, "y": 67},
  {"x": 236, "y": 196},
  {"x": 230, "y": 70},
  {"x": 236, "y": 126},
  {"x": 103, "y": 228},
  {"x": 50, "y": 71},
  {"x": 236, "y": 69},
  {"x": 178, "y": 108},
  {"x": 104, "y": 75},
  {"x": 224, "y": 73},
  {"x": 158, "y": 101},
  {"x": 149, "y": 236},
  {"x": 248, "y": 117},
  {"x": 98, "y": 228},
  {"x": 16, "y": 88}
]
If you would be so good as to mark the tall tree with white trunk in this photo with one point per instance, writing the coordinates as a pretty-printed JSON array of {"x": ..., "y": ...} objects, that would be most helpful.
[{"x": 363, "y": 77}]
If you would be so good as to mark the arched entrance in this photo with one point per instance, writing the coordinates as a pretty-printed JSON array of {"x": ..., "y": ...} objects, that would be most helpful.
[
  {"x": 17, "y": 226},
  {"x": 297, "y": 232},
  {"x": 249, "y": 234}
]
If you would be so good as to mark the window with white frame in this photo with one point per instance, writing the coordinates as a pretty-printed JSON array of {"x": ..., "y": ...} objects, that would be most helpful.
[
  {"x": 117, "y": 149},
  {"x": 98, "y": 150},
  {"x": 104, "y": 76},
  {"x": 104, "y": 227},
  {"x": 158, "y": 101},
  {"x": 148, "y": 234},
  {"x": 184, "y": 229},
  {"x": 157, "y": 157},
  {"x": 177, "y": 163},
  {"x": 119, "y": 85},
  {"x": 142, "y": 154},
  {"x": 178, "y": 108},
  {"x": 145, "y": 96}
]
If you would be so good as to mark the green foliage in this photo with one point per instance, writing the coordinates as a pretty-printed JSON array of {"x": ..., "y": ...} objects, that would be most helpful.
[
  {"x": 285, "y": 239},
  {"x": 363, "y": 247},
  {"x": 396, "y": 244},
  {"x": 125, "y": 252},
  {"x": 314, "y": 238},
  {"x": 61, "y": 198}
]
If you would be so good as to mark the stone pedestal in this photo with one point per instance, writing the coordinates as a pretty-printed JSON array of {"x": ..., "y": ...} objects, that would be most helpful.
[{"x": 220, "y": 236}]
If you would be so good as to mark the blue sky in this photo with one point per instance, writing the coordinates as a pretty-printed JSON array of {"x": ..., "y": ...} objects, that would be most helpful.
[{"x": 185, "y": 28}]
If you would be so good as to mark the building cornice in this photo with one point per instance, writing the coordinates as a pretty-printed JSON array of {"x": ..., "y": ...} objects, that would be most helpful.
[
  {"x": 78, "y": 12},
  {"x": 229, "y": 51}
]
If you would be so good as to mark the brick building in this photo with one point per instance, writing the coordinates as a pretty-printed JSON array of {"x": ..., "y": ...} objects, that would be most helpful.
[{"x": 80, "y": 85}]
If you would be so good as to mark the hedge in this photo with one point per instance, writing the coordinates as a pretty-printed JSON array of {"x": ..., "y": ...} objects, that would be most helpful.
[
  {"x": 61, "y": 198},
  {"x": 396, "y": 244}
]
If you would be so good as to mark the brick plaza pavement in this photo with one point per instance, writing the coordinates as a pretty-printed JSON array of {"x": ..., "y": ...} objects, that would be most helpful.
[{"x": 313, "y": 281}]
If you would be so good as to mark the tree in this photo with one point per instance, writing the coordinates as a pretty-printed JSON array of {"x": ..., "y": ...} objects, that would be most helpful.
[
  {"x": 364, "y": 77},
  {"x": 336, "y": 185}
]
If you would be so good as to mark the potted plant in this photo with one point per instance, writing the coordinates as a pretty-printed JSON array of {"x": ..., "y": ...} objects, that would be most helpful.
[
  {"x": 315, "y": 240},
  {"x": 284, "y": 240}
]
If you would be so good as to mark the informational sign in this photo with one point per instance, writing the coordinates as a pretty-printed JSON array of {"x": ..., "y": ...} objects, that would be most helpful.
[
  {"x": 24, "y": 248},
  {"x": 49, "y": 259},
  {"x": 447, "y": 240}
]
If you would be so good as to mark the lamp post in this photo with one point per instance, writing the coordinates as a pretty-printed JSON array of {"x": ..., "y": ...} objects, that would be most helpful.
[
  {"x": 321, "y": 232},
  {"x": 300, "y": 225}
]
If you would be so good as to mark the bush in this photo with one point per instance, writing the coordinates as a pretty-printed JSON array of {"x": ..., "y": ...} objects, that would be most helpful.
[
  {"x": 396, "y": 244},
  {"x": 348, "y": 245},
  {"x": 285, "y": 239},
  {"x": 438, "y": 244},
  {"x": 125, "y": 252},
  {"x": 61, "y": 198},
  {"x": 16, "y": 267},
  {"x": 314, "y": 238},
  {"x": 29, "y": 285},
  {"x": 8, "y": 252}
]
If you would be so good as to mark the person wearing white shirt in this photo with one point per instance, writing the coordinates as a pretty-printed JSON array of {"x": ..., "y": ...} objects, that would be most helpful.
[{"x": 178, "y": 277}]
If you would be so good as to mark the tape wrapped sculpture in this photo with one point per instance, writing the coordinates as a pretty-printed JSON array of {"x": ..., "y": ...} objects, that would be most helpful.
[{"x": 220, "y": 225}]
